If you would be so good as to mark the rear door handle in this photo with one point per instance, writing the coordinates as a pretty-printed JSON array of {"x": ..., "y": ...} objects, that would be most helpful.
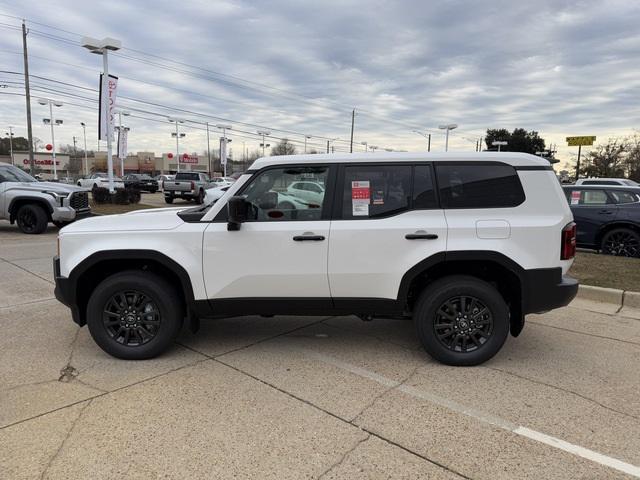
[
  {"x": 421, "y": 235},
  {"x": 606, "y": 212},
  {"x": 308, "y": 237}
]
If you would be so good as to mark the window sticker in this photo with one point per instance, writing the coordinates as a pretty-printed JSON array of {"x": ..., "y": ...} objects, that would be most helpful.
[
  {"x": 378, "y": 197},
  {"x": 360, "y": 197},
  {"x": 575, "y": 197}
]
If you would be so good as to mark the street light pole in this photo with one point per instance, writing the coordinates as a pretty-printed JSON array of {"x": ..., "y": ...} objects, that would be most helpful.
[
  {"x": 498, "y": 143},
  {"x": 178, "y": 136},
  {"x": 306, "y": 137},
  {"x": 223, "y": 155},
  {"x": 209, "y": 153},
  {"x": 447, "y": 127},
  {"x": 263, "y": 133},
  {"x": 366, "y": 149},
  {"x": 52, "y": 122},
  {"x": 102, "y": 47},
  {"x": 86, "y": 164},
  {"x": 120, "y": 130}
]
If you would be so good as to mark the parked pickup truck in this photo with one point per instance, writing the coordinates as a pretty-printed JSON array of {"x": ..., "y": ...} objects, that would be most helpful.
[
  {"x": 187, "y": 185},
  {"x": 33, "y": 204}
]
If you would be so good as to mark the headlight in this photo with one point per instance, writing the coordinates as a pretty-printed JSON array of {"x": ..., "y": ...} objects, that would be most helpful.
[{"x": 57, "y": 195}]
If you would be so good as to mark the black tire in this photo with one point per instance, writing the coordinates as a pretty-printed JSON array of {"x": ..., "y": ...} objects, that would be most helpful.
[
  {"x": 200, "y": 197},
  {"x": 79, "y": 184},
  {"x": 461, "y": 303},
  {"x": 153, "y": 190},
  {"x": 149, "y": 334},
  {"x": 622, "y": 242},
  {"x": 168, "y": 199},
  {"x": 31, "y": 219}
]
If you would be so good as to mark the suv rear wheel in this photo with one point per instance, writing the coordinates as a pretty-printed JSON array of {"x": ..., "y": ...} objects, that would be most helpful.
[
  {"x": 134, "y": 315},
  {"x": 32, "y": 219},
  {"x": 621, "y": 241},
  {"x": 461, "y": 320}
]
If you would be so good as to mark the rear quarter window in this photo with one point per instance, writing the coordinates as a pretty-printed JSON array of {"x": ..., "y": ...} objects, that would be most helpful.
[{"x": 479, "y": 185}]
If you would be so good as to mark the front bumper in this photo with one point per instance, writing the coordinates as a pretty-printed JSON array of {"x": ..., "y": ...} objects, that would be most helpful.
[
  {"x": 547, "y": 289},
  {"x": 64, "y": 291}
]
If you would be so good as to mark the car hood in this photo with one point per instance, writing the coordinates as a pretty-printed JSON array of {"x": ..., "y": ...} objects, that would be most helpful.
[
  {"x": 138, "y": 220},
  {"x": 47, "y": 186}
]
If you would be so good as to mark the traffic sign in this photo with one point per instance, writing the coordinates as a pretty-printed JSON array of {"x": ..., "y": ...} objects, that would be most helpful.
[{"x": 579, "y": 141}]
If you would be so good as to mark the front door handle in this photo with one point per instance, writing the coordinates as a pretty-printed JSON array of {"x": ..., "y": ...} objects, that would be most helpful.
[
  {"x": 606, "y": 212},
  {"x": 308, "y": 237},
  {"x": 421, "y": 235}
]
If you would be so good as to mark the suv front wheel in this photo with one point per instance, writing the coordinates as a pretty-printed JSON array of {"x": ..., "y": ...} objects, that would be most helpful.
[
  {"x": 461, "y": 320},
  {"x": 134, "y": 315}
]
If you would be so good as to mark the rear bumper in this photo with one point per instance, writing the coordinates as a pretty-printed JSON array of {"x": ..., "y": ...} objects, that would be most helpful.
[
  {"x": 546, "y": 289},
  {"x": 64, "y": 291}
]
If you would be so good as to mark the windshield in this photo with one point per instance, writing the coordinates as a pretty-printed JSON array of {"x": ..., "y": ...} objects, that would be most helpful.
[
  {"x": 187, "y": 176},
  {"x": 14, "y": 174}
]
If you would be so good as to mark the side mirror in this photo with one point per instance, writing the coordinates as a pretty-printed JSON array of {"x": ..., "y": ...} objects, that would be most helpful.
[{"x": 238, "y": 212}]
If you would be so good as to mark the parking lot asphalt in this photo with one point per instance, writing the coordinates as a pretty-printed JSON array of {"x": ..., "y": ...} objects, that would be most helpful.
[{"x": 307, "y": 397}]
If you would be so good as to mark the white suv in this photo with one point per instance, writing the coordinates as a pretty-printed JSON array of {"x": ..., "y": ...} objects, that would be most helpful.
[{"x": 464, "y": 244}]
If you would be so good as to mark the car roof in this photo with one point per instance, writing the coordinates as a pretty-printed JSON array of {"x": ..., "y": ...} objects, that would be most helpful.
[
  {"x": 511, "y": 158},
  {"x": 633, "y": 188}
]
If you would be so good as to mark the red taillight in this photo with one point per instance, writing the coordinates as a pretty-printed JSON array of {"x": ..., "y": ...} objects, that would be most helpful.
[
  {"x": 568, "y": 247},
  {"x": 193, "y": 185}
]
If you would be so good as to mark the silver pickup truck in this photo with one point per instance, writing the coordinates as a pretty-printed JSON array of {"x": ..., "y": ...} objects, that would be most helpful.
[
  {"x": 186, "y": 185},
  {"x": 33, "y": 204}
]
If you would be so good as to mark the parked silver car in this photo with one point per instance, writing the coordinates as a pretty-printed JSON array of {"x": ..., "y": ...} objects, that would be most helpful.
[{"x": 33, "y": 204}]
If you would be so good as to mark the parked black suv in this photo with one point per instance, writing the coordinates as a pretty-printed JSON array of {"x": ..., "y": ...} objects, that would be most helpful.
[
  {"x": 141, "y": 181},
  {"x": 608, "y": 217}
]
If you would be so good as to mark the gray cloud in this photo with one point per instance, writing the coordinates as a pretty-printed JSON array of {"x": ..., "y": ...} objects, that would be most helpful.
[{"x": 559, "y": 67}]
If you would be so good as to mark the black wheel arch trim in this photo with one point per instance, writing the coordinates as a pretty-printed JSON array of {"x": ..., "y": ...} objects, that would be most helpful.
[
  {"x": 65, "y": 289},
  {"x": 40, "y": 201}
]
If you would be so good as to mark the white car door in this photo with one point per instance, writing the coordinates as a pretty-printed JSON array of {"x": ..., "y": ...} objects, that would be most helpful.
[
  {"x": 388, "y": 221},
  {"x": 279, "y": 253}
]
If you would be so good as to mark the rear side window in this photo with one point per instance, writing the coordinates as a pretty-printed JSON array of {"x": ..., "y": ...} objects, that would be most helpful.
[
  {"x": 479, "y": 186},
  {"x": 424, "y": 194},
  {"x": 376, "y": 191},
  {"x": 621, "y": 196}
]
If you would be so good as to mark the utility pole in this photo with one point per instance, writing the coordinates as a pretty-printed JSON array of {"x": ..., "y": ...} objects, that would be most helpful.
[
  {"x": 327, "y": 146},
  {"x": 27, "y": 92},
  {"x": 578, "y": 162},
  {"x": 481, "y": 138},
  {"x": 429, "y": 144},
  {"x": 353, "y": 118}
]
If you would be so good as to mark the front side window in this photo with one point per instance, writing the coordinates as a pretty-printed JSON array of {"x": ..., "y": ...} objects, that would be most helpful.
[
  {"x": 479, "y": 186},
  {"x": 587, "y": 197},
  {"x": 273, "y": 198},
  {"x": 375, "y": 191}
]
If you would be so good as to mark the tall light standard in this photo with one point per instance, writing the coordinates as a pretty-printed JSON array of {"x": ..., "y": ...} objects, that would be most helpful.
[
  {"x": 121, "y": 113},
  {"x": 498, "y": 143},
  {"x": 52, "y": 121},
  {"x": 447, "y": 127},
  {"x": 306, "y": 137},
  {"x": 223, "y": 156},
  {"x": 102, "y": 47},
  {"x": 264, "y": 133},
  {"x": 373, "y": 148},
  {"x": 177, "y": 135},
  {"x": 86, "y": 164},
  {"x": 366, "y": 149},
  {"x": 10, "y": 135}
]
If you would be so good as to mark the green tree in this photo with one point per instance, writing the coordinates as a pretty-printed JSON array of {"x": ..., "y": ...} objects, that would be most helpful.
[
  {"x": 520, "y": 140},
  {"x": 20, "y": 144},
  {"x": 284, "y": 147},
  {"x": 606, "y": 160},
  {"x": 632, "y": 161}
]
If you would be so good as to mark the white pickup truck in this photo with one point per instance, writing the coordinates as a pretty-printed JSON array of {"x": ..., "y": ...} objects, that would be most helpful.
[{"x": 188, "y": 186}]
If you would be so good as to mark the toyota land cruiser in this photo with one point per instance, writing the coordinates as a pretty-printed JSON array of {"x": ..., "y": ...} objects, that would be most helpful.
[{"x": 464, "y": 244}]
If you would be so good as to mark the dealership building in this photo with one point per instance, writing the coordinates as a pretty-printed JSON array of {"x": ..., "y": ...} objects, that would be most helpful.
[{"x": 140, "y": 162}]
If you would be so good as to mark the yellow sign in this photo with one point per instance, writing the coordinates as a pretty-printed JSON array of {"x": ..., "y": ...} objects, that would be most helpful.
[{"x": 576, "y": 141}]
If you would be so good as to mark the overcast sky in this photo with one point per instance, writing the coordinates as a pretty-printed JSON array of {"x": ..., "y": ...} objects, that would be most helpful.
[{"x": 558, "y": 67}]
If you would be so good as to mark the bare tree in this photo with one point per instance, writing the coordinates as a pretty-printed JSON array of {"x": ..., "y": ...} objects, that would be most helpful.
[
  {"x": 606, "y": 160},
  {"x": 285, "y": 147}
]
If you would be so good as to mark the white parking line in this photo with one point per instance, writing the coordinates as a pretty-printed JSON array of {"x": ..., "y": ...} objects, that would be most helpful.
[{"x": 481, "y": 416}]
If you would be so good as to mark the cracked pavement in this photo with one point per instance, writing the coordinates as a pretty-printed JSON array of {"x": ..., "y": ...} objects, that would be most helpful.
[{"x": 303, "y": 397}]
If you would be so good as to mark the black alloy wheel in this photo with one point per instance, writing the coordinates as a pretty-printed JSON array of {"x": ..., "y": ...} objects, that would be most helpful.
[
  {"x": 621, "y": 242},
  {"x": 463, "y": 324},
  {"x": 131, "y": 318},
  {"x": 31, "y": 219}
]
